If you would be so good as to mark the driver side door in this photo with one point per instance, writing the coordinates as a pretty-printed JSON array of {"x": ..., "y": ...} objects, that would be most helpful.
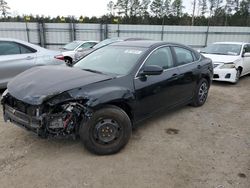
[{"x": 153, "y": 92}]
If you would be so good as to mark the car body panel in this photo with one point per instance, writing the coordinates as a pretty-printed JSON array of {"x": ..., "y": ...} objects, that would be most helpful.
[
  {"x": 84, "y": 91},
  {"x": 12, "y": 65},
  {"x": 229, "y": 74}
]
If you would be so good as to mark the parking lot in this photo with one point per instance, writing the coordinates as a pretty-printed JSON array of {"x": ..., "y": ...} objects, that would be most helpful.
[{"x": 207, "y": 147}]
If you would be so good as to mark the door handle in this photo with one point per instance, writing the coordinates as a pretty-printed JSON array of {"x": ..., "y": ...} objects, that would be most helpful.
[
  {"x": 174, "y": 75},
  {"x": 29, "y": 58},
  {"x": 198, "y": 66}
]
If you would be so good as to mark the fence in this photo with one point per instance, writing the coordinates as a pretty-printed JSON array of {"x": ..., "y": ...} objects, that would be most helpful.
[{"x": 55, "y": 35}]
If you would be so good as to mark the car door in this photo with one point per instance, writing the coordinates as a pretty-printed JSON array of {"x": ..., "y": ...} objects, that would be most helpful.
[
  {"x": 189, "y": 69},
  {"x": 246, "y": 60},
  {"x": 157, "y": 91},
  {"x": 14, "y": 59}
]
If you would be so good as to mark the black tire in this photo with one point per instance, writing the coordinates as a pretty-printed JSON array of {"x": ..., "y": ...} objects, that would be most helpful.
[
  {"x": 68, "y": 61},
  {"x": 201, "y": 93},
  {"x": 107, "y": 131},
  {"x": 237, "y": 78}
]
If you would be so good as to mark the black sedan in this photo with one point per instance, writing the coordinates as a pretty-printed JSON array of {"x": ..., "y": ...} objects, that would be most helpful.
[{"x": 106, "y": 93}]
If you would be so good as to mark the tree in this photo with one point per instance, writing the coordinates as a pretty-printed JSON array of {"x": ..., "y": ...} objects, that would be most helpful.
[
  {"x": 122, "y": 6},
  {"x": 134, "y": 8},
  {"x": 177, "y": 8},
  {"x": 167, "y": 7},
  {"x": 193, "y": 12},
  {"x": 110, "y": 7},
  {"x": 144, "y": 8},
  {"x": 4, "y": 8},
  {"x": 202, "y": 7},
  {"x": 157, "y": 7}
]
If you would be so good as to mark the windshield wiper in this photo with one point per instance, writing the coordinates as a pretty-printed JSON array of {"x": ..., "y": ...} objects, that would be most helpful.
[{"x": 95, "y": 71}]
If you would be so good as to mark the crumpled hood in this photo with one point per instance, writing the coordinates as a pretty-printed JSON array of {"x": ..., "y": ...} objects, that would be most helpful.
[
  {"x": 221, "y": 58},
  {"x": 40, "y": 83}
]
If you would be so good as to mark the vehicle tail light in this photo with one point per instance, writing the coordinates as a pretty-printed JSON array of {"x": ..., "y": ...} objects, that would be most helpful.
[{"x": 60, "y": 57}]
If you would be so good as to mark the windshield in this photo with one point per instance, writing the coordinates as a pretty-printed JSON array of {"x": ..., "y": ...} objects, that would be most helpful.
[
  {"x": 105, "y": 42},
  {"x": 118, "y": 60},
  {"x": 71, "y": 46},
  {"x": 223, "y": 49}
]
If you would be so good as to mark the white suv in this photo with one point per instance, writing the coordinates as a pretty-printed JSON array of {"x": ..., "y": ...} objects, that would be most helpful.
[{"x": 231, "y": 60}]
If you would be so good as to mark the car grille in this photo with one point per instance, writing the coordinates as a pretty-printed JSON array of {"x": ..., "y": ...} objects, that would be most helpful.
[{"x": 21, "y": 106}]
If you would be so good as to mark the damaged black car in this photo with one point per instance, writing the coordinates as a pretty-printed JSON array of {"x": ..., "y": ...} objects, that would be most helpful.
[{"x": 108, "y": 92}]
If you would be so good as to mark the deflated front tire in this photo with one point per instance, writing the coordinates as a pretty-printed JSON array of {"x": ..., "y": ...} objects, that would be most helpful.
[{"x": 107, "y": 131}]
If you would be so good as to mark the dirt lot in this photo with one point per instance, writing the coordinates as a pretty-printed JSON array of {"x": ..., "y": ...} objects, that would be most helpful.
[{"x": 210, "y": 150}]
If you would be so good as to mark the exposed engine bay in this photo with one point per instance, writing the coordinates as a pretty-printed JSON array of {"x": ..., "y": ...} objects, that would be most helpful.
[{"x": 46, "y": 120}]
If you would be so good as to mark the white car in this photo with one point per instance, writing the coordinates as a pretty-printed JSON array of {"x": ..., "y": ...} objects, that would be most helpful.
[
  {"x": 17, "y": 56},
  {"x": 70, "y": 49},
  {"x": 231, "y": 60}
]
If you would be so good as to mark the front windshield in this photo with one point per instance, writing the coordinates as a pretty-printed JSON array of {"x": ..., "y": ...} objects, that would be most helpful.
[
  {"x": 71, "y": 46},
  {"x": 118, "y": 60},
  {"x": 105, "y": 43},
  {"x": 223, "y": 49}
]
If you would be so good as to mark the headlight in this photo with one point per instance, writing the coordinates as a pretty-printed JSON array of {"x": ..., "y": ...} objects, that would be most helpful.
[
  {"x": 228, "y": 66},
  {"x": 5, "y": 93}
]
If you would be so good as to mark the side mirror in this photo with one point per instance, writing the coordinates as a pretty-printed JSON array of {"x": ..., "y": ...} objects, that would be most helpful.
[
  {"x": 247, "y": 54},
  {"x": 199, "y": 50},
  {"x": 80, "y": 49},
  {"x": 151, "y": 70}
]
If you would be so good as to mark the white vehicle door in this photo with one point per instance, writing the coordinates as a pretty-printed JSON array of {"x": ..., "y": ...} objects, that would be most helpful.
[
  {"x": 14, "y": 59},
  {"x": 246, "y": 60}
]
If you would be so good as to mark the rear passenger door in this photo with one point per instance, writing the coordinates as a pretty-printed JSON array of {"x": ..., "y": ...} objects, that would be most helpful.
[
  {"x": 246, "y": 60},
  {"x": 14, "y": 59},
  {"x": 189, "y": 69}
]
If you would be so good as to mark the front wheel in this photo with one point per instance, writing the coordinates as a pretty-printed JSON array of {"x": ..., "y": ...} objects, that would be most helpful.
[
  {"x": 237, "y": 77},
  {"x": 107, "y": 131},
  {"x": 201, "y": 93}
]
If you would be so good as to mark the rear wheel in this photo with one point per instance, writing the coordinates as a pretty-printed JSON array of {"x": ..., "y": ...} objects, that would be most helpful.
[
  {"x": 107, "y": 132},
  {"x": 201, "y": 93}
]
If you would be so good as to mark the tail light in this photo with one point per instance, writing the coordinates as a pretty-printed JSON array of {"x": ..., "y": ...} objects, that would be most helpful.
[{"x": 60, "y": 57}]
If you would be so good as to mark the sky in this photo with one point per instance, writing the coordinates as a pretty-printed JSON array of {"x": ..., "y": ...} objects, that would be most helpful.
[{"x": 54, "y": 8}]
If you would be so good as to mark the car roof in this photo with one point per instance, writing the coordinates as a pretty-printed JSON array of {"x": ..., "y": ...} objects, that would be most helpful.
[{"x": 145, "y": 43}]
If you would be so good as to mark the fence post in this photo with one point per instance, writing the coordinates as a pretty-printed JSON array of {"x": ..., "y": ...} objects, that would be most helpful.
[
  {"x": 101, "y": 32},
  {"x": 118, "y": 29},
  {"x": 72, "y": 30},
  {"x": 27, "y": 31},
  {"x": 106, "y": 31},
  {"x": 207, "y": 33},
  {"x": 43, "y": 34}
]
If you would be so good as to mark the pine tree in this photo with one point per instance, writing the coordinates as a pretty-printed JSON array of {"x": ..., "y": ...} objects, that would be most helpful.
[
  {"x": 4, "y": 8},
  {"x": 202, "y": 7},
  {"x": 177, "y": 8},
  {"x": 144, "y": 8},
  {"x": 157, "y": 8}
]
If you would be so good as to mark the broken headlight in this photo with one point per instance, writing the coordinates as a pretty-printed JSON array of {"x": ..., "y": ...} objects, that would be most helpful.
[
  {"x": 228, "y": 66},
  {"x": 4, "y": 94}
]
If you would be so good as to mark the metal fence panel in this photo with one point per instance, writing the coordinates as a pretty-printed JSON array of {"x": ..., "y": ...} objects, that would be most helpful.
[{"x": 55, "y": 35}]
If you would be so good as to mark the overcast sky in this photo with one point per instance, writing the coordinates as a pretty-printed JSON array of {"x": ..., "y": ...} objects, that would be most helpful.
[{"x": 64, "y": 7}]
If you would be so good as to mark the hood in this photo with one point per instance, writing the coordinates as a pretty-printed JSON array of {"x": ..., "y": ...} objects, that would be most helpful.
[
  {"x": 37, "y": 84},
  {"x": 221, "y": 58}
]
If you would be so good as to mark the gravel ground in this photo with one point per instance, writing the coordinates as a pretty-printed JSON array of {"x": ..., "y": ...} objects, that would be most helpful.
[{"x": 207, "y": 147}]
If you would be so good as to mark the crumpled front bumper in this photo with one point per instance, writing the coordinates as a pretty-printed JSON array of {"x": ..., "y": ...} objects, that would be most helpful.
[
  {"x": 228, "y": 75},
  {"x": 21, "y": 119}
]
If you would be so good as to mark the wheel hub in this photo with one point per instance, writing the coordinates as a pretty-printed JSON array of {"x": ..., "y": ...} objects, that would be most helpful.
[
  {"x": 107, "y": 130},
  {"x": 203, "y": 92}
]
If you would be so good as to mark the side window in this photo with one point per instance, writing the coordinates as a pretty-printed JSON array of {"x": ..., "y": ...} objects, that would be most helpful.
[
  {"x": 26, "y": 50},
  {"x": 161, "y": 57},
  {"x": 183, "y": 56},
  {"x": 87, "y": 45},
  {"x": 247, "y": 48},
  {"x": 9, "y": 48}
]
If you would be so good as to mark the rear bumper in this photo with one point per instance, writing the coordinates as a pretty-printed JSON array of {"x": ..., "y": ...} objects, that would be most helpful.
[{"x": 21, "y": 119}]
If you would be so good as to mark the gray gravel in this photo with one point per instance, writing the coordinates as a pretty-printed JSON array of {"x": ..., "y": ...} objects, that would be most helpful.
[{"x": 207, "y": 147}]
